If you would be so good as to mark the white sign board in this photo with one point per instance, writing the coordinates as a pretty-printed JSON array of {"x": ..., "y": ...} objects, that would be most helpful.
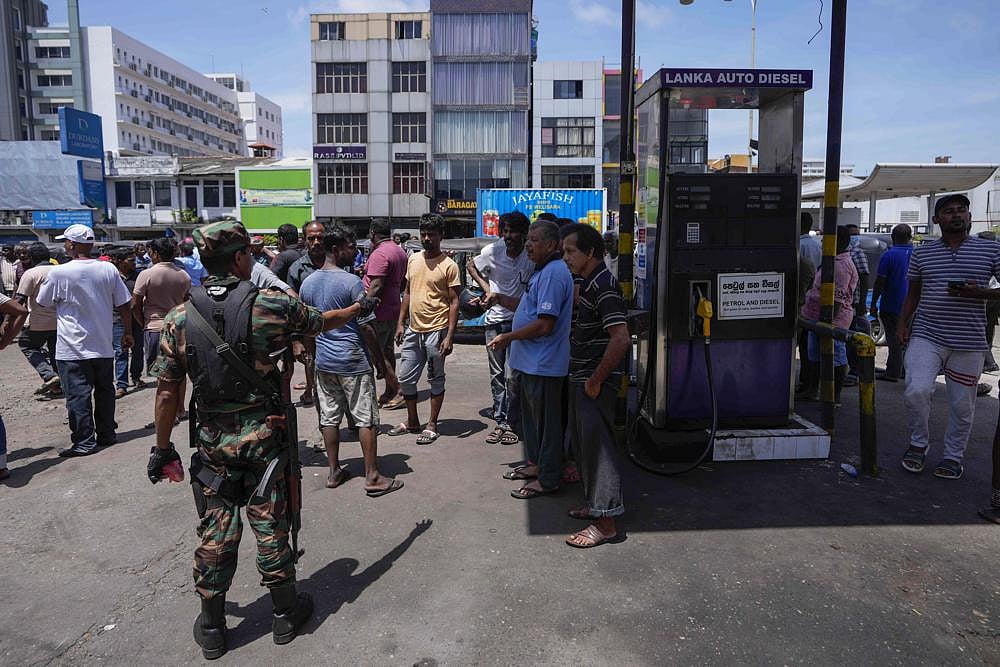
[
  {"x": 750, "y": 296},
  {"x": 133, "y": 217}
]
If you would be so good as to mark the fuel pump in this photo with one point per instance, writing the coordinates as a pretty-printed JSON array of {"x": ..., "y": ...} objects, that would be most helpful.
[{"x": 717, "y": 274}]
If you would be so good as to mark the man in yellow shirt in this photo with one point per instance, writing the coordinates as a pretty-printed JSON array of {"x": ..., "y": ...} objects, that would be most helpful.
[{"x": 431, "y": 302}]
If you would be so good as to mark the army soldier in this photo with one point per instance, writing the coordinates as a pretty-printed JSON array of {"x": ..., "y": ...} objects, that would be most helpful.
[{"x": 233, "y": 425}]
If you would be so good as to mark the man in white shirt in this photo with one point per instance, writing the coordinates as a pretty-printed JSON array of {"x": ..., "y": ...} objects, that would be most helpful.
[
  {"x": 84, "y": 292},
  {"x": 503, "y": 268}
]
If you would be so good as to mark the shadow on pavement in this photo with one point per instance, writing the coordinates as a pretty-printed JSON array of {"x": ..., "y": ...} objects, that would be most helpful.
[
  {"x": 27, "y": 452},
  {"x": 332, "y": 586}
]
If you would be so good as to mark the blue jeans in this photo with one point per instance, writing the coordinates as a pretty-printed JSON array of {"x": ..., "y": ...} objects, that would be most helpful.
[
  {"x": 503, "y": 383},
  {"x": 89, "y": 385},
  {"x": 542, "y": 425},
  {"x": 121, "y": 356},
  {"x": 39, "y": 348}
]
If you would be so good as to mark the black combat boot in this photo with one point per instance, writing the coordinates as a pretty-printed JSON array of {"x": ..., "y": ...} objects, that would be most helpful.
[
  {"x": 291, "y": 611},
  {"x": 210, "y": 627}
]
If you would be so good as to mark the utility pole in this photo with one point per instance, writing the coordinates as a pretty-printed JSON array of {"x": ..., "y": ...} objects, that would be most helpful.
[{"x": 626, "y": 158}]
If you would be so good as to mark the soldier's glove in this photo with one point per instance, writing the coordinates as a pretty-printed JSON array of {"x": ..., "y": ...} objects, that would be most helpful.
[
  {"x": 368, "y": 305},
  {"x": 158, "y": 459}
]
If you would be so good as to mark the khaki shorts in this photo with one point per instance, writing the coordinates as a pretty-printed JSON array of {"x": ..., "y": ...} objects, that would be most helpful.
[{"x": 338, "y": 395}]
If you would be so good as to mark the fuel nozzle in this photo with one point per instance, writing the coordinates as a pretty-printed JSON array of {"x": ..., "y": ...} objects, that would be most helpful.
[{"x": 704, "y": 311}]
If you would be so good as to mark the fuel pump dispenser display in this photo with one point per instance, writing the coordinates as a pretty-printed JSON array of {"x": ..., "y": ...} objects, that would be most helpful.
[{"x": 716, "y": 269}]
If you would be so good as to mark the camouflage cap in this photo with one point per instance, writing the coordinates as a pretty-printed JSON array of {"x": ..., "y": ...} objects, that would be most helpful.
[{"x": 219, "y": 239}]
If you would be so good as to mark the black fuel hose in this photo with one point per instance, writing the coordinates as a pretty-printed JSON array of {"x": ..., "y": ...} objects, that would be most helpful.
[{"x": 658, "y": 469}]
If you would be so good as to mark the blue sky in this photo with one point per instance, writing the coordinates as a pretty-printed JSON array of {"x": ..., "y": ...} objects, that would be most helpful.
[{"x": 922, "y": 76}]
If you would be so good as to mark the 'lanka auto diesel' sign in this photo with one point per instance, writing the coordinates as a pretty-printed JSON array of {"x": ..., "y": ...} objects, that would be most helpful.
[
  {"x": 340, "y": 152},
  {"x": 728, "y": 78}
]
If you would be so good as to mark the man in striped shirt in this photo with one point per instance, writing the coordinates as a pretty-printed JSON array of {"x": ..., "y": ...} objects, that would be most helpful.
[
  {"x": 946, "y": 301},
  {"x": 598, "y": 344}
]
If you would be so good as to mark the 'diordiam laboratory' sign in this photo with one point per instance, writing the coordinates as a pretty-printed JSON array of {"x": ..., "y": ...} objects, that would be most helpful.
[{"x": 723, "y": 78}]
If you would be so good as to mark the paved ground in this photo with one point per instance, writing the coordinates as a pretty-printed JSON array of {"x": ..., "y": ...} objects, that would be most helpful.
[{"x": 780, "y": 562}]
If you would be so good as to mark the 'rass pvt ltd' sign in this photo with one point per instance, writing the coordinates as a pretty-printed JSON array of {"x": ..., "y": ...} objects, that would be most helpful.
[
  {"x": 750, "y": 78},
  {"x": 340, "y": 152}
]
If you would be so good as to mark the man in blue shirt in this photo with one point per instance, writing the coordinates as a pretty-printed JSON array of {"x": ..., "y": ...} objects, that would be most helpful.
[
  {"x": 190, "y": 263},
  {"x": 539, "y": 352},
  {"x": 890, "y": 288},
  {"x": 345, "y": 383}
]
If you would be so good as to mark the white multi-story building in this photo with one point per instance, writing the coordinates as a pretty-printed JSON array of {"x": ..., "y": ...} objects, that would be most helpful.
[
  {"x": 568, "y": 124},
  {"x": 149, "y": 103},
  {"x": 261, "y": 117},
  {"x": 813, "y": 168},
  {"x": 371, "y": 107}
]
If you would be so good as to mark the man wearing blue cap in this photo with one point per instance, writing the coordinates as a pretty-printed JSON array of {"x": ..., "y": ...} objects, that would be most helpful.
[{"x": 84, "y": 293}]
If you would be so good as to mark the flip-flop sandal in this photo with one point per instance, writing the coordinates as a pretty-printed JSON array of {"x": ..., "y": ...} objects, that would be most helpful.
[
  {"x": 495, "y": 437},
  {"x": 518, "y": 474},
  {"x": 527, "y": 493},
  {"x": 582, "y": 513},
  {"x": 426, "y": 437},
  {"x": 395, "y": 403},
  {"x": 913, "y": 459},
  {"x": 402, "y": 429},
  {"x": 594, "y": 536},
  {"x": 949, "y": 469},
  {"x": 337, "y": 478},
  {"x": 394, "y": 485},
  {"x": 299, "y": 386},
  {"x": 509, "y": 438}
]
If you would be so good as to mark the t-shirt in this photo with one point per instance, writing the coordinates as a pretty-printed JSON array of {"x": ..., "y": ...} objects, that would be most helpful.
[
  {"x": 506, "y": 275},
  {"x": 40, "y": 318},
  {"x": 84, "y": 292},
  {"x": 951, "y": 321},
  {"x": 387, "y": 261},
  {"x": 429, "y": 281},
  {"x": 301, "y": 269},
  {"x": 194, "y": 268},
  {"x": 811, "y": 247},
  {"x": 892, "y": 267},
  {"x": 284, "y": 260},
  {"x": 264, "y": 278},
  {"x": 549, "y": 293},
  {"x": 342, "y": 350},
  {"x": 162, "y": 286},
  {"x": 845, "y": 284},
  {"x": 600, "y": 307}
]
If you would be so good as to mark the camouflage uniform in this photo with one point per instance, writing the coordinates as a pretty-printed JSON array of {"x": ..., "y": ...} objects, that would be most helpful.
[{"x": 234, "y": 438}]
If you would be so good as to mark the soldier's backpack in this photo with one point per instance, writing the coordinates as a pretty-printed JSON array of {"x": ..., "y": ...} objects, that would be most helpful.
[{"x": 228, "y": 309}]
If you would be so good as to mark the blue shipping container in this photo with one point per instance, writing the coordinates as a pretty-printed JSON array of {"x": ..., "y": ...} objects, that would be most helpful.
[{"x": 580, "y": 205}]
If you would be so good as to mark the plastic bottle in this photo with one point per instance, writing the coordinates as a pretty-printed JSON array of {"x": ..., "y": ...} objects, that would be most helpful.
[
  {"x": 173, "y": 471},
  {"x": 849, "y": 469}
]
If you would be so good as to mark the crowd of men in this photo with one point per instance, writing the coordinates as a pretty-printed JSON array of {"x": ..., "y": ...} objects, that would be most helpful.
[{"x": 221, "y": 310}]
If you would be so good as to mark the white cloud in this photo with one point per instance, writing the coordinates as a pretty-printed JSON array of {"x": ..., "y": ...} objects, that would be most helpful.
[
  {"x": 302, "y": 12},
  {"x": 591, "y": 11},
  {"x": 297, "y": 151},
  {"x": 650, "y": 14},
  {"x": 293, "y": 102}
]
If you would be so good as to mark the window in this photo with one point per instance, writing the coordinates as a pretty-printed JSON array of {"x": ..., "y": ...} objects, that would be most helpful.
[
  {"x": 575, "y": 176},
  {"x": 22, "y": 106},
  {"x": 459, "y": 178},
  {"x": 50, "y": 135},
  {"x": 228, "y": 193},
  {"x": 51, "y": 80},
  {"x": 161, "y": 190},
  {"x": 612, "y": 94},
  {"x": 331, "y": 31},
  {"x": 409, "y": 77},
  {"x": 211, "y": 194},
  {"x": 687, "y": 153},
  {"x": 567, "y": 90},
  {"x": 343, "y": 178},
  {"x": 409, "y": 127},
  {"x": 341, "y": 77},
  {"x": 409, "y": 29},
  {"x": 341, "y": 128},
  {"x": 52, "y": 52},
  {"x": 478, "y": 34},
  {"x": 45, "y": 108},
  {"x": 408, "y": 178},
  {"x": 612, "y": 141},
  {"x": 123, "y": 193},
  {"x": 18, "y": 54},
  {"x": 142, "y": 193},
  {"x": 567, "y": 137},
  {"x": 17, "y": 19},
  {"x": 191, "y": 195}
]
